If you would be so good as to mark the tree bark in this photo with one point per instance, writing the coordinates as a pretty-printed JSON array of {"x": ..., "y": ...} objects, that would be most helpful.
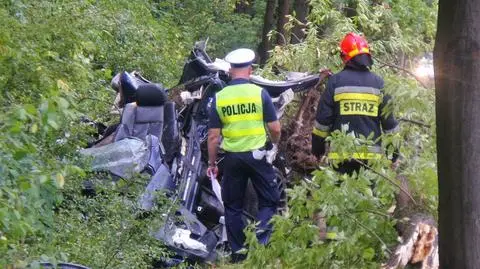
[
  {"x": 457, "y": 77},
  {"x": 282, "y": 12},
  {"x": 268, "y": 22},
  {"x": 245, "y": 7},
  {"x": 350, "y": 9},
  {"x": 301, "y": 12}
]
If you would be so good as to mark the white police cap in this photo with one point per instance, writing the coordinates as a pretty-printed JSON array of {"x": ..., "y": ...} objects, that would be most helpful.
[{"x": 240, "y": 58}]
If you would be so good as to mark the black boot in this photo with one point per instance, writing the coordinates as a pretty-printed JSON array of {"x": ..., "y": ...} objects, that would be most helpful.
[{"x": 238, "y": 257}]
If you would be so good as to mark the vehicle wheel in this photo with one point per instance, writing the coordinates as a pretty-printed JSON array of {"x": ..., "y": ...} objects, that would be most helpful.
[
  {"x": 46, "y": 265},
  {"x": 250, "y": 202},
  {"x": 282, "y": 189},
  {"x": 251, "y": 199}
]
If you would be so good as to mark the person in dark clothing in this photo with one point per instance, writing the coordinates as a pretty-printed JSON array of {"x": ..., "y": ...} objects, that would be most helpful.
[{"x": 354, "y": 97}]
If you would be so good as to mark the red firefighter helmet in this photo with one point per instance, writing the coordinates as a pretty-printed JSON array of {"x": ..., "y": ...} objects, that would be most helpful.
[{"x": 353, "y": 45}]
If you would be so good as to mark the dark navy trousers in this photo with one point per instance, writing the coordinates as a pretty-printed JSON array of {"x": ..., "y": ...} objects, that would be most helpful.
[
  {"x": 348, "y": 167},
  {"x": 238, "y": 168}
]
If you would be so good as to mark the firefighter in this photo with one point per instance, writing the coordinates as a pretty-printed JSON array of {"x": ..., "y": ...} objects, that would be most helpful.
[
  {"x": 244, "y": 115},
  {"x": 354, "y": 98}
]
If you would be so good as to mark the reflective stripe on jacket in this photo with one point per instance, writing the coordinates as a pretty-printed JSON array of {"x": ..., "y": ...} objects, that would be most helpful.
[
  {"x": 355, "y": 98},
  {"x": 368, "y": 153},
  {"x": 240, "y": 109}
]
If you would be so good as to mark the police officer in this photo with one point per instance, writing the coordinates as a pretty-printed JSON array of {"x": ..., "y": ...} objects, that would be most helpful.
[
  {"x": 244, "y": 115},
  {"x": 353, "y": 97}
]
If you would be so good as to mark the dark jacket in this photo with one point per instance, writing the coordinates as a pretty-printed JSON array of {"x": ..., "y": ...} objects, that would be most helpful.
[{"x": 355, "y": 97}]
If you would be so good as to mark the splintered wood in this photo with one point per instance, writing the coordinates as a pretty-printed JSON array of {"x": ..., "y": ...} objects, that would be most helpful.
[
  {"x": 299, "y": 131},
  {"x": 298, "y": 145},
  {"x": 419, "y": 234},
  {"x": 420, "y": 247}
]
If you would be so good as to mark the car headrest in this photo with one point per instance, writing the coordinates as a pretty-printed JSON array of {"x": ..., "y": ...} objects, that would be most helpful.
[
  {"x": 151, "y": 94},
  {"x": 115, "y": 83},
  {"x": 128, "y": 87}
]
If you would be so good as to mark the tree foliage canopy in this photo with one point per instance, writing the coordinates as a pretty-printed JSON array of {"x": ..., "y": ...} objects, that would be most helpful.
[{"x": 56, "y": 62}]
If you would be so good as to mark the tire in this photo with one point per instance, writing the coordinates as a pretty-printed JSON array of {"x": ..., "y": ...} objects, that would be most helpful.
[
  {"x": 251, "y": 198},
  {"x": 46, "y": 265},
  {"x": 250, "y": 202},
  {"x": 282, "y": 189}
]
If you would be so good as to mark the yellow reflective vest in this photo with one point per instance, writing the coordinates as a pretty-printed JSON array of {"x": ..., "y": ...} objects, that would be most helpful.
[{"x": 240, "y": 109}]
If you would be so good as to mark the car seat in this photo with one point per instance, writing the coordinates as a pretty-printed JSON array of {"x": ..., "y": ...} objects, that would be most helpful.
[{"x": 145, "y": 116}]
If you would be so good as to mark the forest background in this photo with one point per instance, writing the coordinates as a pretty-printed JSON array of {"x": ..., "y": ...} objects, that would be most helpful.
[{"x": 56, "y": 62}]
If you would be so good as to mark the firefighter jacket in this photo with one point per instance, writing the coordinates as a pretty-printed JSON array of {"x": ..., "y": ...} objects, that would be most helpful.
[{"x": 353, "y": 97}]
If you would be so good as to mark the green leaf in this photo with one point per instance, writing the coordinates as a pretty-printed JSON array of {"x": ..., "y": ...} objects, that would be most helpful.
[
  {"x": 368, "y": 254},
  {"x": 62, "y": 103},
  {"x": 31, "y": 109},
  {"x": 34, "y": 128},
  {"x": 20, "y": 154}
]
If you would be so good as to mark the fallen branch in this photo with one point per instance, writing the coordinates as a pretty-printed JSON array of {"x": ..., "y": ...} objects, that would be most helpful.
[
  {"x": 373, "y": 212},
  {"x": 299, "y": 130},
  {"x": 415, "y": 122},
  {"x": 405, "y": 191},
  {"x": 370, "y": 231},
  {"x": 404, "y": 70}
]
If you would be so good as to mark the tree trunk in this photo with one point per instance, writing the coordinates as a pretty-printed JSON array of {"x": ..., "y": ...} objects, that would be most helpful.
[
  {"x": 282, "y": 12},
  {"x": 301, "y": 12},
  {"x": 457, "y": 77},
  {"x": 268, "y": 22},
  {"x": 350, "y": 9},
  {"x": 245, "y": 7}
]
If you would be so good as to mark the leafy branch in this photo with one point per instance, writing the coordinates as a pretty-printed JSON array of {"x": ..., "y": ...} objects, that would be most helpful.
[
  {"x": 417, "y": 122},
  {"x": 389, "y": 180},
  {"x": 404, "y": 70},
  {"x": 369, "y": 230}
]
